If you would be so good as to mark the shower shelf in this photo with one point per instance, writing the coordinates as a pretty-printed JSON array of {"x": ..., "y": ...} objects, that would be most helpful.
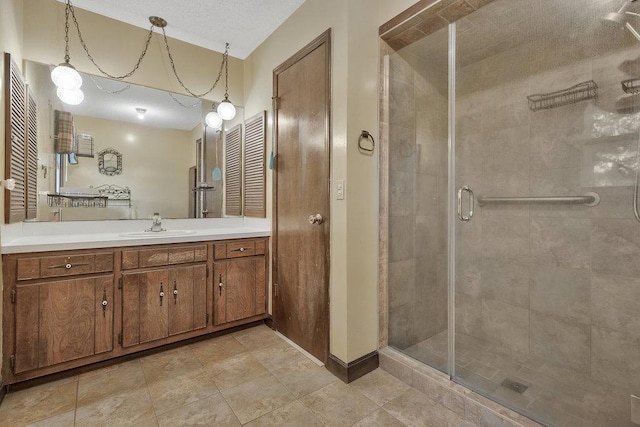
[
  {"x": 574, "y": 94},
  {"x": 631, "y": 85}
]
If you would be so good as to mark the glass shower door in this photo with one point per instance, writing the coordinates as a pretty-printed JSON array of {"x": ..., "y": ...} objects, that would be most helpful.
[{"x": 546, "y": 278}]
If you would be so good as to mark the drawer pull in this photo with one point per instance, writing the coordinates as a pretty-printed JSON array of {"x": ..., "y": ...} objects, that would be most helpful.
[
  {"x": 104, "y": 303},
  {"x": 161, "y": 294},
  {"x": 239, "y": 250},
  {"x": 68, "y": 265}
]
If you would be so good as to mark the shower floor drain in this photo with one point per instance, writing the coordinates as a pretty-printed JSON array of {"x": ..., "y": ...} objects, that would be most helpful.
[{"x": 514, "y": 385}]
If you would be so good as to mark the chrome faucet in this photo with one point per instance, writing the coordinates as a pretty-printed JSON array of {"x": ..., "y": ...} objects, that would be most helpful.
[{"x": 156, "y": 226}]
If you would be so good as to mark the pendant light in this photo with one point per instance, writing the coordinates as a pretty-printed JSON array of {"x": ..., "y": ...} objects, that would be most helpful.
[
  {"x": 213, "y": 119},
  {"x": 65, "y": 76},
  {"x": 226, "y": 110},
  {"x": 70, "y": 96}
]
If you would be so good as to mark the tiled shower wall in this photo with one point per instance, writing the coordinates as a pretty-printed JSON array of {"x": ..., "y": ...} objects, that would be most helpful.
[
  {"x": 560, "y": 283},
  {"x": 417, "y": 201},
  {"x": 557, "y": 282}
]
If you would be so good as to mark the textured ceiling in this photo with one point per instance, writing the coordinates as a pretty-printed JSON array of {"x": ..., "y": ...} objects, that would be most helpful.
[{"x": 244, "y": 24}]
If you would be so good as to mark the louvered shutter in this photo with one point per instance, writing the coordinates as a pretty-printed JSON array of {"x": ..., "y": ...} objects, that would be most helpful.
[
  {"x": 31, "y": 172},
  {"x": 15, "y": 133},
  {"x": 254, "y": 165},
  {"x": 233, "y": 171}
]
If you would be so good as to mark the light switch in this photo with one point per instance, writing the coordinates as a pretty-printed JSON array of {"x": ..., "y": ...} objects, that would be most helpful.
[
  {"x": 340, "y": 189},
  {"x": 635, "y": 409}
]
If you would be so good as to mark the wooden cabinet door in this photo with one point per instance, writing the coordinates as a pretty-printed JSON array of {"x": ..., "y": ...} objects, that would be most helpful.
[
  {"x": 239, "y": 289},
  {"x": 188, "y": 299},
  {"x": 145, "y": 306},
  {"x": 59, "y": 321}
]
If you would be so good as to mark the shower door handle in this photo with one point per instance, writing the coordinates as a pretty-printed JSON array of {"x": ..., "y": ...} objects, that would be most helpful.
[{"x": 461, "y": 217}]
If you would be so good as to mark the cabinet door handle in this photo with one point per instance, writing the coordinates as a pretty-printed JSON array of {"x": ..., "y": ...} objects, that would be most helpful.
[
  {"x": 104, "y": 303},
  {"x": 175, "y": 292},
  {"x": 220, "y": 284},
  {"x": 161, "y": 294}
]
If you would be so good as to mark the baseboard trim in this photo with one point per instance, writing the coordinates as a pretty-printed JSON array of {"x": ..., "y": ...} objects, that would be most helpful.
[
  {"x": 3, "y": 392},
  {"x": 348, "y": 372}
]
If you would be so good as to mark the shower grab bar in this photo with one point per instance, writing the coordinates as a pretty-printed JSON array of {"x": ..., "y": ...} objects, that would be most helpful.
[{"x": 589, "y": 199}]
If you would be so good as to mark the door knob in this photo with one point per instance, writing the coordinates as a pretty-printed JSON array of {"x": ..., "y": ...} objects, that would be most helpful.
[{"x": 315, "y": 219}]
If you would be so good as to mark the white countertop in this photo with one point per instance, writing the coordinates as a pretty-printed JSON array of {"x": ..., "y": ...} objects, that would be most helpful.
[{"x": 55, "y": 236}]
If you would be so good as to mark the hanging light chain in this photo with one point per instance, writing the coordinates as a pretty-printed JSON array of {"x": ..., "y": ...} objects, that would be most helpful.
[
  {"x": 175, "y": 72},
  {"x": 67, "y": 58},
  {"x": 111, "y": 92},
  {"x": 86, "y": 49},
  {"x": 198, "y": 102},
  {"x": 226, "y": 72},
  {"x": 224, "y": 66}
]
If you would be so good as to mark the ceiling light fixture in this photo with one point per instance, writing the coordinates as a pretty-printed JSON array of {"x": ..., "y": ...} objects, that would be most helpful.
[
  {"x": 141, "y": 112},
  {"x": 66, "y": 77},
  {"x": 226, "y": 109}
]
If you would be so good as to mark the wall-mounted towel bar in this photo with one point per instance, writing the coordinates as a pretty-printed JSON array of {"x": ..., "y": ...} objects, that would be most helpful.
[{"x": 589, "y": 199}]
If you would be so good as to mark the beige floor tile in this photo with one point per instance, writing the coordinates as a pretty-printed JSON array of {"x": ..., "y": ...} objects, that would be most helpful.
[
  {"x": 173, "y": 393},
  {"x": 415, "y": 409},
  {"x": 379, "y": 418},
  {"x": 151, "y": 422},
  {"x": 217, "y": 349},
  {"x": 236, "y": 370},
  {"x": 257, "y": 397},
  {"x": 169, "y": 364},
  {"x": 339, "y": 404},
  {"x": 259, "y": 337},
  {"x": 294, "y": 414},
  {"x": 380, "y": 386},
  {"x": 303, "y": 377},
  {"x": 125, "y": 409},
  {"x": 277, "y": 357},
  {"x": 210, "y": 411},
  {"x": 40, "y": 402},
  {"x": 120, "y": 378},
  {"x": 62, "y": 420}
]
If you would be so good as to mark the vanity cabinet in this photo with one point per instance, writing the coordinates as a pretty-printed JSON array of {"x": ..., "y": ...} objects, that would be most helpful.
[
  {"x": 58, "y": 319},
  {"x": 239, "y": 281},
  {"x": 67, "y": 309}
]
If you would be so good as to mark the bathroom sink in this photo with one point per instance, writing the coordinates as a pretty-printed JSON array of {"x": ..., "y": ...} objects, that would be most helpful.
[{"x": 165, "y": 233}]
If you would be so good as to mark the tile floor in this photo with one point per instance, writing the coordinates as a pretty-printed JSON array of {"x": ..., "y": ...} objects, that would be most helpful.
[
  {"x": 555, "y": 395},
  {"x": 251, "y": 377}
]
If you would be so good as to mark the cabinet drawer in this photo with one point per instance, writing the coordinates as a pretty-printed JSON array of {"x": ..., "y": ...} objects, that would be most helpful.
[
  {"x": 240, "y": 249},
  {"x": 64, "y": 265},
  {"x": 141, "y": 258}
]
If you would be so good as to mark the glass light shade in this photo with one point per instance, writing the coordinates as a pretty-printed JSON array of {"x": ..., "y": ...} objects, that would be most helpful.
[
  {"x": 71, "y": 97},
  {"x": 64, "y": 76},
  {"x": 226, "y": 110},
  {"x": 213, "y": 120}
]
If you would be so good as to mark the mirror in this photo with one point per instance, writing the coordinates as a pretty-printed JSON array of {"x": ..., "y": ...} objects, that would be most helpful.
[
  {"x": 132, "y": 137},
  {"x": 109, "y": 162}
]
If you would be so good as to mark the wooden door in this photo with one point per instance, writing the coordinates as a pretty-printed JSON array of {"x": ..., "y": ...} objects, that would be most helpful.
[
  {"x": 237, "y": 297},
  {"x": 187, "y": 299},
  {"x": 145, "y": 313},
  {"x": 302, "y": 140},
  {"x": 64, "y": 320}
]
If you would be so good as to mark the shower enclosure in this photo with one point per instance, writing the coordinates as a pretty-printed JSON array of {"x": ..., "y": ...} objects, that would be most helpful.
[{"x": 513, "y": 260}]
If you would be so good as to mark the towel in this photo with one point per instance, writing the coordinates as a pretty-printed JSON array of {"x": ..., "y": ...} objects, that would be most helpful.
[{"x": 65, "y": 140}]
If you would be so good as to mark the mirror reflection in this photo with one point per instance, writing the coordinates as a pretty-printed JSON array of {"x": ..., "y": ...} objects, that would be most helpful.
[{"x": 151, "y": 144}]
